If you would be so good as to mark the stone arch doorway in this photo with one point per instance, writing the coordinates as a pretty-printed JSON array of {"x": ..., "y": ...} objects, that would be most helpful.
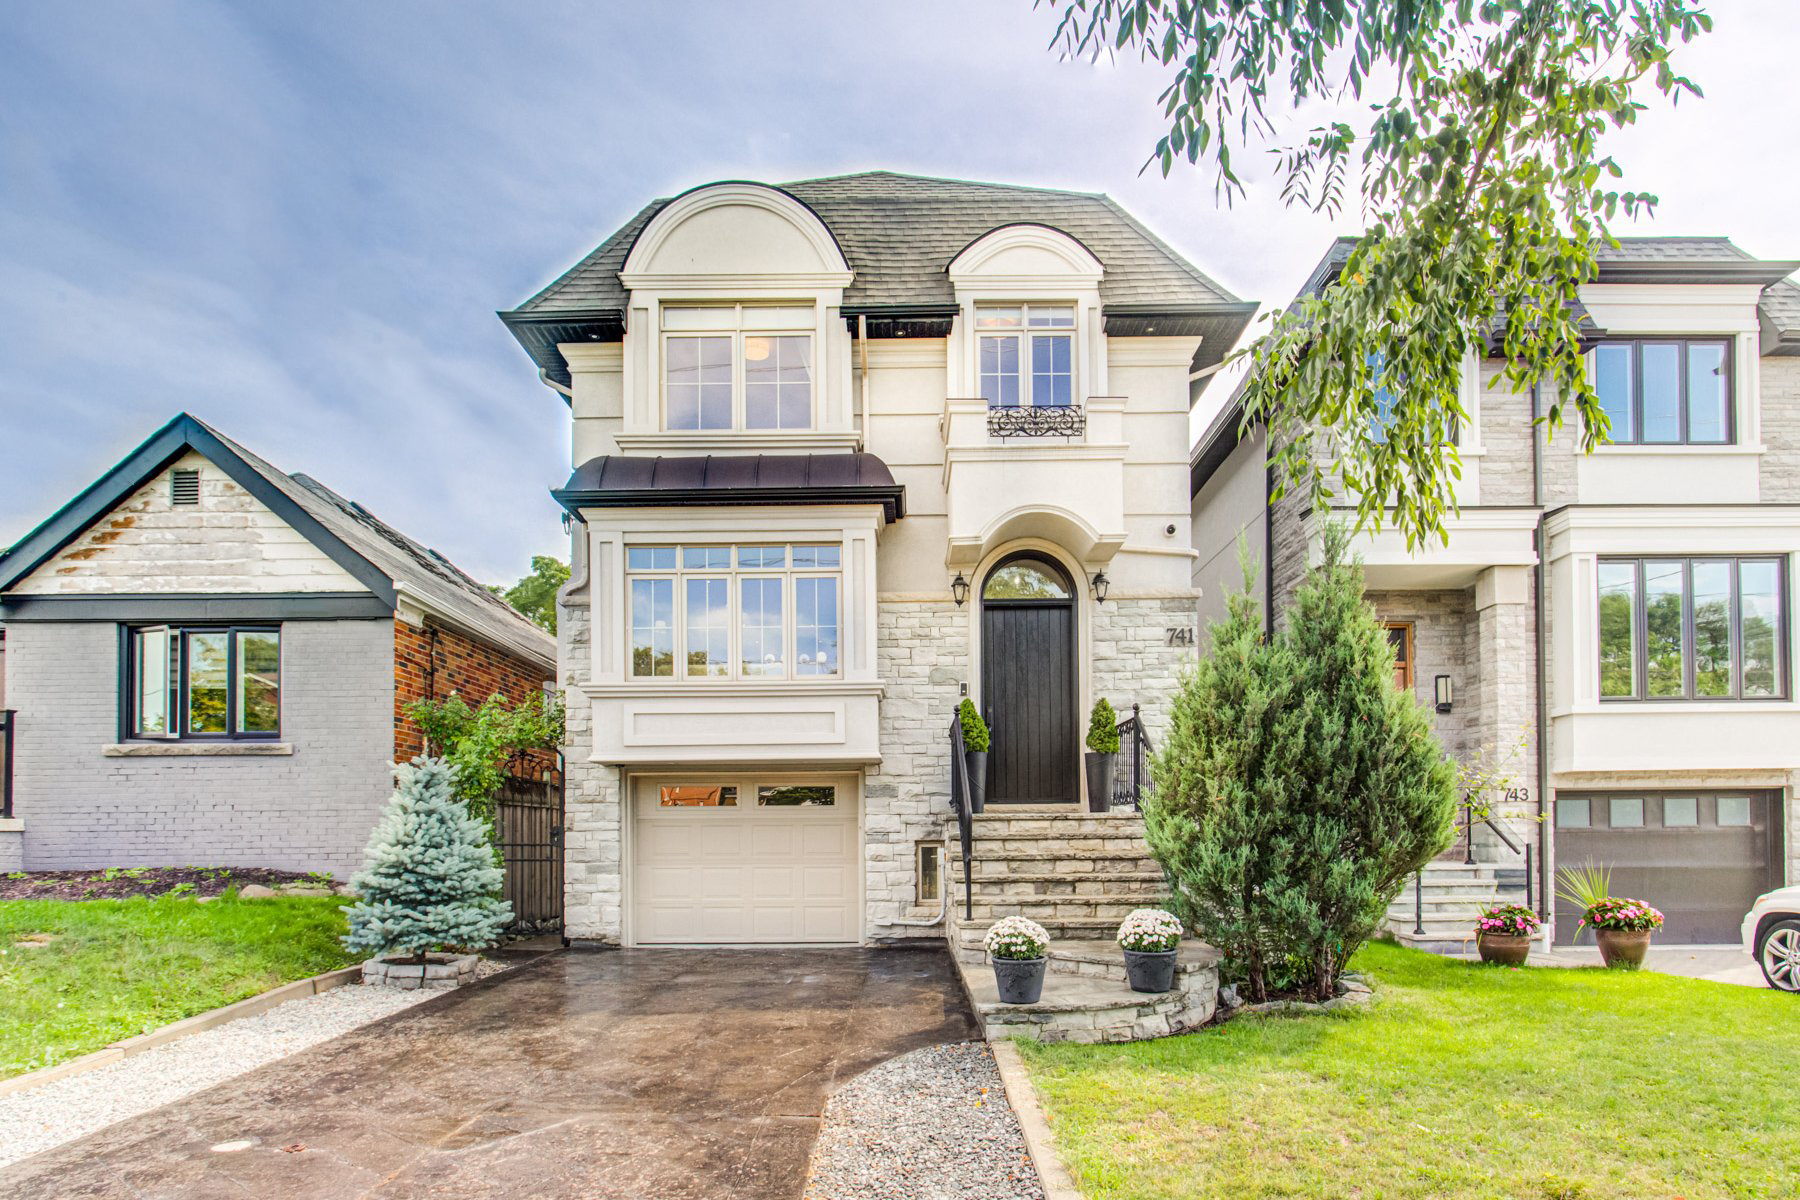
[{"x": 1029, "y": 681}]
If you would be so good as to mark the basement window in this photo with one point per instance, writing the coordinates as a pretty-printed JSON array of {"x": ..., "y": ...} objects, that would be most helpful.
[
  {"x": 928, "y": 876},
  {"x": 184, "y": 486}
]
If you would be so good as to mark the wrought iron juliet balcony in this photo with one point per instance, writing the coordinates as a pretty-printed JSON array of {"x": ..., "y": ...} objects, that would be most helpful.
[{"x": 1058, "y": 420}]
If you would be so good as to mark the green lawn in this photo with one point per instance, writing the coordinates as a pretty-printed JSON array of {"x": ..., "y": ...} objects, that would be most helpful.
[
  {"x": 75, "y": 976},
  {"x": 1464, "y": 1081}
]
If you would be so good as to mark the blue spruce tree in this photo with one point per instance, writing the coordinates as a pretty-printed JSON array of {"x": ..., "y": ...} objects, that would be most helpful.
[{"x": 428, "y": 877}]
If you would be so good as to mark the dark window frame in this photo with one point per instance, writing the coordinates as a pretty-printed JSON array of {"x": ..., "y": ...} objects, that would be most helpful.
[
  {"x": 1640, "y": 629},
  {"x": 1685, "y": 342},
  {"x": 179, "y": 633},
  {"x": 1404, "y": 661}
]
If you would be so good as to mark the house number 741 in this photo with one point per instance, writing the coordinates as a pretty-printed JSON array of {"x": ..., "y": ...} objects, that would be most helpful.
[{"x": 1180, "y": 637}]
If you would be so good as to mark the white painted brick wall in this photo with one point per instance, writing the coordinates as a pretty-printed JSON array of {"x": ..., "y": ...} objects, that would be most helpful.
[{"x": 311, "y": 811}]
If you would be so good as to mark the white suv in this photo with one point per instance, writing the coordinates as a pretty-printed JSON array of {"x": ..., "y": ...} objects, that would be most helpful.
[{"x": 1772, "y": 936}]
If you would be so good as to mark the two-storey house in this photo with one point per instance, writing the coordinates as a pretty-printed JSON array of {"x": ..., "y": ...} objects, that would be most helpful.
[
  {"x": 1626, "y": 612},
  {"x": 846, "y": 451}
]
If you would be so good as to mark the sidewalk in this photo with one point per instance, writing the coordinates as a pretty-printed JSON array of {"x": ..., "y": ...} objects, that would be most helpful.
[{"x": 1719, "y": 964}]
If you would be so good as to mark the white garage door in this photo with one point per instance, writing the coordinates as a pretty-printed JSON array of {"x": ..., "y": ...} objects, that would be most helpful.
[{"x": 719, "y": 862}]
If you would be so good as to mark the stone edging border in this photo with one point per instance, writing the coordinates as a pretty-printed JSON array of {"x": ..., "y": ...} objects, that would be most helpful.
[
  {"x": 187, "y": 1027},
  {"x": 1353, "y": 992},
  {"x": 1040, "y": 1143}
]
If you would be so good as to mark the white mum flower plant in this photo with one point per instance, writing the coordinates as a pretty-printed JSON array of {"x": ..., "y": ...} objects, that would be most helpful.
[
  {"x": 1017, "y": 937},
  {"x": 1150, "y": 931}
]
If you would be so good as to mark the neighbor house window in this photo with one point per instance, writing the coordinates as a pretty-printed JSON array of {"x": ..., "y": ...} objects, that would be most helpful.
[
  {"x": 1026, "y": 354},
  {"x": 1665, "y": 391},
  {"x": 735, "y": 612},
  {"x": 1692, "y": 629},
  {"x": 203, "y": 682},
  {"x": 744, "y": 366}
]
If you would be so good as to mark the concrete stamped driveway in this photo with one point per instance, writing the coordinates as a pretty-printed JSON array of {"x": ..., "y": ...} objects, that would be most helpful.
[{"x": 648, "y": 1074}]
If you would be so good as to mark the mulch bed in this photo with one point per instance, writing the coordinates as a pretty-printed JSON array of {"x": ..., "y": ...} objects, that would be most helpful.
[{"x": 117, "y": 883}]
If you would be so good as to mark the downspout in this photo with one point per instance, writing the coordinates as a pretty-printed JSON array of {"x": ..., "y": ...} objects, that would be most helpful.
[
  {"x": 544, "y": 378},
  {"x": 1544, "y": 831},
  {"x": 862, "y": 416}
]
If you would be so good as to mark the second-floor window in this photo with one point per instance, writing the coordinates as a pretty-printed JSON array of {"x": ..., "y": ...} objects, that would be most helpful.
[
  {"x": 740, "y": 366},
  {"x": 734, "y": 612},
  {"x": 1693, "y": 629},
  {"x": 1026, "y": 354},
  {"x": 1666, "y": 391}
]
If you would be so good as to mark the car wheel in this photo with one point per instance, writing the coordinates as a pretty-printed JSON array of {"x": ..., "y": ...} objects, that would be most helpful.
[{"x": 1780, "y": 956}]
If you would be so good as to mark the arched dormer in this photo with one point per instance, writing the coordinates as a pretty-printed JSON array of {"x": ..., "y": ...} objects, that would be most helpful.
[
  {"x": 1018, "y": 285},
  {"x": 735, "y": 284},
  {"x": 722, "y": 232},
  {"x": 1024, "y": 255}
]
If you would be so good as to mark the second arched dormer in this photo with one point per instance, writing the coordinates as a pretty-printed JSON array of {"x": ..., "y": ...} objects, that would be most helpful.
[
  {"x": 1030, "y": 331},
  {"x": 734, "y": 341}
]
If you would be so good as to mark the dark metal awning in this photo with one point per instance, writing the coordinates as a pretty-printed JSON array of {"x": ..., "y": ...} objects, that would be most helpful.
[{"x": 611, "y": 481}]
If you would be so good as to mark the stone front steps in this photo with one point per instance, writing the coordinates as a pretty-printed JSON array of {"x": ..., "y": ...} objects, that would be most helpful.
[
  {"x": 1453, "y": 895},
  {"x": 1086, "y": 998}
]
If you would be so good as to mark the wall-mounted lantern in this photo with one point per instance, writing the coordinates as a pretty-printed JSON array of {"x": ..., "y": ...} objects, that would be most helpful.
[
  {"x": 1101, "y": 583},
  {"x": 1442, "y": 690},
  {"x": 959, "y": 589}
]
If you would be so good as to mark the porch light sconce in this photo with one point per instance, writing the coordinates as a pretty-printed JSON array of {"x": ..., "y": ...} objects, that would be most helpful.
[
  {"x": 1101, "y": 583},
  {"x": 1441, "y": 689},
  {"x": 959, "y": 589}
]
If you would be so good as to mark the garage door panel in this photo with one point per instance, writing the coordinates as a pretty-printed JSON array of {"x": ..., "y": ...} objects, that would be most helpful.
[{"x": 754, "y": 873}]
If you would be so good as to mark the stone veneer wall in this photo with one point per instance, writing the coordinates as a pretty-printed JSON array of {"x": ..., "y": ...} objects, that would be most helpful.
[
  {"x": 592, "y": 883},
  {"x": 922, "y": 656},
  {"x": 1442, "y": 624},
  {"x": 1134, "y": 661}
]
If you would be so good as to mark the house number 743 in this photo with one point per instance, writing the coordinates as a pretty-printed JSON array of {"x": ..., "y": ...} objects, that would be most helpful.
[{"x": 1183, "y": 636}]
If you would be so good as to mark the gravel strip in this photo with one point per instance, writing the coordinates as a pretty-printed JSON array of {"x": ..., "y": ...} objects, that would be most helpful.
[
  {"x": 65, "y": 1109},
  {"x": 929, "y": 1125}
]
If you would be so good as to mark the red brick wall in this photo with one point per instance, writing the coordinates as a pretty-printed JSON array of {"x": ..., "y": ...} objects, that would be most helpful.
[{"x": 432, "y": 662}]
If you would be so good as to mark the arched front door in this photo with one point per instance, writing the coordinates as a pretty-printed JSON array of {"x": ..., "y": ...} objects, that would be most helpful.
[{"x": 1028, "y": 682}]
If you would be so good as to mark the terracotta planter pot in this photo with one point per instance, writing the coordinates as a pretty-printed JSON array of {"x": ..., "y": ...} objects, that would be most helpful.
[
  {"x": 1020, "y": 980},
  {"x": 1623, "y": 948},
  {"x": 1507, "y": 949}
]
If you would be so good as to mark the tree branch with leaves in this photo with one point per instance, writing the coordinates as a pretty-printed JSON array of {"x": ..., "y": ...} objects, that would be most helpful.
[{"x": 1481, "y": 185}]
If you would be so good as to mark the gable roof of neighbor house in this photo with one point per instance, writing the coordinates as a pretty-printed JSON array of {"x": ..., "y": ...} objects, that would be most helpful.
[
  {"x": 1683, "y": 260},
  {"x": 899, "y": 234},
  {"x": 380, "y": 557}
]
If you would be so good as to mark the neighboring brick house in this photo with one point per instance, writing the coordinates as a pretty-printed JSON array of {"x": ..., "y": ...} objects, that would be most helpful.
[
  {"x": 1648, "y": 586},
  {"x": 209, "y": 662},
  {"x": 846, "y": 451}
]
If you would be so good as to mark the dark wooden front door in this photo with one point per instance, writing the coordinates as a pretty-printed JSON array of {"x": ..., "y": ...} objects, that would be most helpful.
[{"x": 1028, "y": 697}]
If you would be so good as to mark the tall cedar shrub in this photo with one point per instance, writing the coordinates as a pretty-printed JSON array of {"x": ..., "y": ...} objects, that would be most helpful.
[
  {"x": 1299, "y": 787},
  {"x": 428, "y": 879}
]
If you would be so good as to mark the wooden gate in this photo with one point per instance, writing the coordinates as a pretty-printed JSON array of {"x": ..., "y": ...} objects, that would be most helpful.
[{"x": 531, "y": 844}]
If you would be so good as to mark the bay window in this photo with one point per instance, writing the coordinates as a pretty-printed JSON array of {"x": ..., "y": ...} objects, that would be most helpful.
[
  {"x": 202, "y": 682},
  {"x": 742, "y": 366},
  {"x": 734, "y": 612},
  {"x": 1026, "y": 355},
  {"x": 1692, "y": 629},
  {"x": 1666, "y": 391}
]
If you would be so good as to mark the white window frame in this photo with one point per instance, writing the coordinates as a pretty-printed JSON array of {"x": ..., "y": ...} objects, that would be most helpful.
[
  {"x": 1022, "y": 335},
  {"x": 737, "y": 328},
  {"x": 733, "y": 575}
]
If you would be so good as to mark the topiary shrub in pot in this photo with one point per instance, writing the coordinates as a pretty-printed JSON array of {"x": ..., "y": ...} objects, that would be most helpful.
[
  {"x": 1149, "y": 937},
  {"x": 1503, "y": 934},
  {"x": 1019, "y": 948},
  {"x": 1103, "y": 755},
  {"x": 975, "y": 752}
]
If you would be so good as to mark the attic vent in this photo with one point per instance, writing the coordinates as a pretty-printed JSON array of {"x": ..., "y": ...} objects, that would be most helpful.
[{"x": 184, "y": 486}]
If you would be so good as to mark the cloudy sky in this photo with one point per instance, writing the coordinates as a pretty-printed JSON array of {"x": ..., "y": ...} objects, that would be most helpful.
[{"x": 296, "y": 221}]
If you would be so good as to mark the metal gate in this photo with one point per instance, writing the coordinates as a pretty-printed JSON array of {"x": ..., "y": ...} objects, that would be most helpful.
[{"x": 531, "y": 846}]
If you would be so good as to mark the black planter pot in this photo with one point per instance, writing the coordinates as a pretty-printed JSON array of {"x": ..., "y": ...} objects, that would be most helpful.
[
  {"x": 1020, "y": 980},
  {"x": 1152, "y": 971},
  {"x": 1100, "y": 768},
  {"x": 977, "y": 761}
]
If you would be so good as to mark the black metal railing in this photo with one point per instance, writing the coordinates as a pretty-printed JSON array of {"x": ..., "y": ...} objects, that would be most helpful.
[
  {"x": 8, "y": 719},
  {"x": 1049, "y": 420},
  {"x": 1469, "y": 824},
  {"x": 1132, "y": 778},
  {"x": 959, "y": 804}
]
